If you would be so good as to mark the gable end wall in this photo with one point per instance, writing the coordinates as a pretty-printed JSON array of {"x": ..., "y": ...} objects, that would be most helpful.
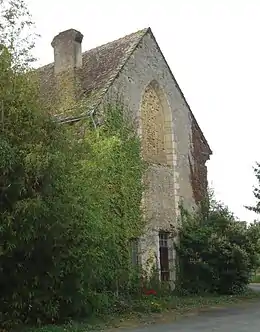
[{"x": 168, "y": 185}]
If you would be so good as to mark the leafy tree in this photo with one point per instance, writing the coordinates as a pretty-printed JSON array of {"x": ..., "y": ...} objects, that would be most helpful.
[
  {"x": 217, "y": 252},
  {"x": 255, "y": 226},
  {"x": 17, "y": 32},
  {"x": 36, "y": 234},
  {"x": 256, "y": 191},
  {"x": 69, "y": 204}
]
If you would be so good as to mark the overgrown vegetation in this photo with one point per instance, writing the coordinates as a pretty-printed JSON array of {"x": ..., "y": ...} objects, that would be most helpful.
[
  {"x": 70, "y": 203},
  {"x": 68, "y": 210},
  {"x": 217, "y": 253},
  {"x": 256, "y": 208},
  {"x": 149, "y": 311},
  {"x": 255, "y": 279}
]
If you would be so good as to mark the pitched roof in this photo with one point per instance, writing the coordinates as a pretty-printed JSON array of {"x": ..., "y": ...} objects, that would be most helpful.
[{"x": 100, "y": 66}]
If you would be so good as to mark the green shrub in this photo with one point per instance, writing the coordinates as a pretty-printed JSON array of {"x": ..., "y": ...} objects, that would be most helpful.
[
  {"x": 69, "y": 205},
  {"x": 217, "y": 254}
]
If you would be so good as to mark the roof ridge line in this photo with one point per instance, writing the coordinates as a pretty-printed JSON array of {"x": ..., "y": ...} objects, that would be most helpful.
[
  {"x": 118, "y": 39},
  {"x": 112, "y": 79},
  {"x": 144, "y": 31}
]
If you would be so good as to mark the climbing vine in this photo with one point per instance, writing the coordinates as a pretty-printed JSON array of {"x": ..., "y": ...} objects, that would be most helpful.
[
  {"x": 70, "y": 198},
  {"x": 113, "y": 172},
  {"x": 70, "y": 202}
]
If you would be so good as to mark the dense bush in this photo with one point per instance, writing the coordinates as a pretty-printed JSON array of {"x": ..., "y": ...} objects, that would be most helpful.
[
  {"x": 68, "y": 211},
  {"x": 69, "y": 203},
  {"x": 217, "y": 253}
]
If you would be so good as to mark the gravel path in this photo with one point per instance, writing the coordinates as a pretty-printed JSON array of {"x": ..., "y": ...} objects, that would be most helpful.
[
  {"x": 237, "y": 319},
  {"x": 241, "y": 319}
]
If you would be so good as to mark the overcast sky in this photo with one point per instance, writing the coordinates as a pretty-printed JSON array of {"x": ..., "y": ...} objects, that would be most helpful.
[{"x": 213, "y": 49}]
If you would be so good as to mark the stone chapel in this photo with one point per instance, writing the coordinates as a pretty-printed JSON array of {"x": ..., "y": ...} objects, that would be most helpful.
[{"x": 172, "y": 142}]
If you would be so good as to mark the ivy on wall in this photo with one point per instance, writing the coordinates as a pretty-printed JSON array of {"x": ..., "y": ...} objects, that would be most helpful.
[{"x": 70, "y": 201}]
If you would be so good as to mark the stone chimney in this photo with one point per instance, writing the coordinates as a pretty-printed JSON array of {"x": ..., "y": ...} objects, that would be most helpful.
[
  {"x": 67, "y": 62},
  {"x": 67, "y": 50}
]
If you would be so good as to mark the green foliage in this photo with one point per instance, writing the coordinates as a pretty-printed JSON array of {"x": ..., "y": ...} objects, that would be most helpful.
[
  {"x": 217, "y": 254},
  {"x": 256, "y": 191},
  {"x": 68, "y": 207},
  {"x": 144, "y": 311},
  {"x": 17, "y": 32},
  {"x": 113, "y": 175},
  {"x": 70, "y": 196},
  {"x": 255, "y": 278},
  {"x": 35, "y": 233}
]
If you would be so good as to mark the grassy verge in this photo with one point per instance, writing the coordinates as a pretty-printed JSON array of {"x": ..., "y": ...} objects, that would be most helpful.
[
  {"x": 256, "y": 279},
  {"x": 151, "y": 310}
]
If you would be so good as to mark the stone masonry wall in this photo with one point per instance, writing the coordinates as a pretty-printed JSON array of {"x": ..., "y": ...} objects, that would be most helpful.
[
  {"x": 198, "y": 168},
  {"x": 170, "y": 177}
]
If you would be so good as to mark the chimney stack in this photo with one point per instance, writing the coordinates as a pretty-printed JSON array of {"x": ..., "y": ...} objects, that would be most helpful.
[{"x": 67, "y": 50}]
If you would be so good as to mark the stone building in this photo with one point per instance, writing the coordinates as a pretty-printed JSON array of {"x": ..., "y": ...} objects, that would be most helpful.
[{"x": 172, "y": 141}]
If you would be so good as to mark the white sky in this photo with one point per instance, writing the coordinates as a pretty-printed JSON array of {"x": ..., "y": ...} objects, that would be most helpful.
[{"x": 212, "y": 47}]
